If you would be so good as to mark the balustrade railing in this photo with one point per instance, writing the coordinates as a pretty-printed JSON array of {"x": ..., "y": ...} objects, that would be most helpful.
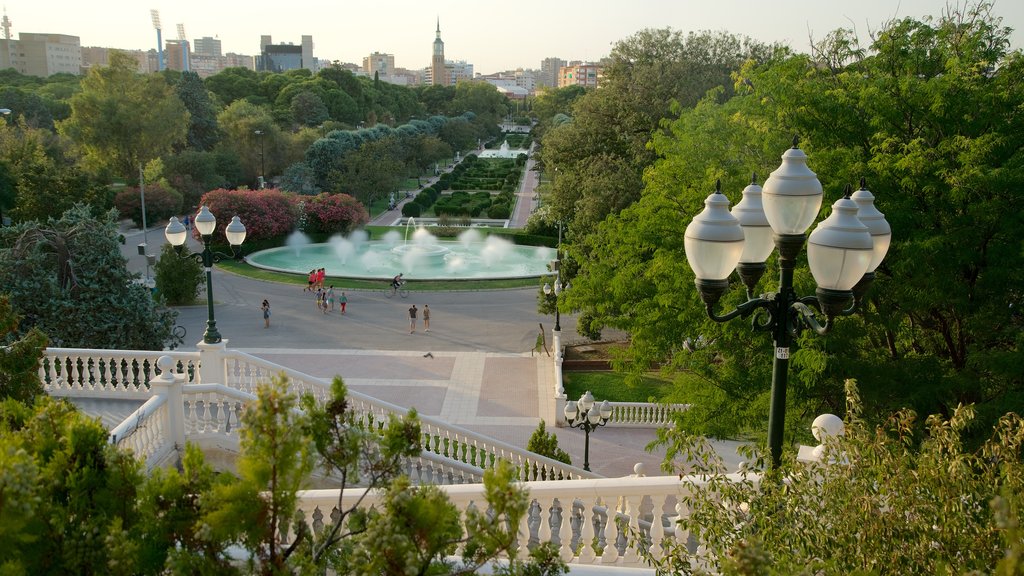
[
  {"x": 108, "y": 373},
  {"x": 572, "y": 514},
  {"x": 643, "y": 414},
  {"x": 145, "y": 431}
]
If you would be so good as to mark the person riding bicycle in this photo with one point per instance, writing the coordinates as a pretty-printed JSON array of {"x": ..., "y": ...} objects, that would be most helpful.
[{"x": 397, "y": 281}]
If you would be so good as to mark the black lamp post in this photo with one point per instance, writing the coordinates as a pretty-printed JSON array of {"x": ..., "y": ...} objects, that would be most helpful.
[
  {"x": 263, "y": 173},
  {"x": 843, "y": 252},
  {"x": 584, "y": 414},
  {"x": 558, "y": 280},
  {"x": 206, "y": 223}
]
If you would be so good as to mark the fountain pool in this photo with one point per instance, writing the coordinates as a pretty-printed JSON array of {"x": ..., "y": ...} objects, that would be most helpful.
[{"x": 419, "y": 256}]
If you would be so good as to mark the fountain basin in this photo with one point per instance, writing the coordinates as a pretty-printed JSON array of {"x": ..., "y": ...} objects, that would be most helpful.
[{"x": 470, "y": 258}]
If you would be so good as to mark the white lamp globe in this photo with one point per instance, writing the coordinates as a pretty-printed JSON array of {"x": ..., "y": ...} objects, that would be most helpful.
[
  {"x": 235, "y": 232},
  {"x": 757, "y": 234},
  {"x": 713, "y": 240},
  {"x": 839, "y": 250},
  {"x": 175, "y": 232},
  {"x": 792, "y": 194},
  {"x": 205, "y": 221},
  {"x": 878, "y": 227}
]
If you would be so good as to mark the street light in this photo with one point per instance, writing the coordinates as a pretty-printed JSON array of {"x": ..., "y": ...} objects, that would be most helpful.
[
  {"x": 263, "y": 174},
  {"x": 843, "y": 252},
  {"x": 558, "y": 280},
  {"x": 206, "y": 223},
  {"x": 584, "y": 414}
]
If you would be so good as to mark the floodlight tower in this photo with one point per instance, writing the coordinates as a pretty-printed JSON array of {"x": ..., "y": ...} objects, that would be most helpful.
[
  {"x": 159, "y": 41},
  {"x": 6, "y": 24},
  {"x": 184, "y": 47}
]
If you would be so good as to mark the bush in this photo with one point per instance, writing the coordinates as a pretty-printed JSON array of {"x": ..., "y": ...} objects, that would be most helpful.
[
  {"x": 177, "y": 279},
  {"x": 162, "y": 202},
  {"x": 411, "y": 210},
  {"x": 265, "y": 213},
  {"x": 545, "y": 444},
  {"x": 499, "y": 212},
  {"x": 334, "y": 214}
]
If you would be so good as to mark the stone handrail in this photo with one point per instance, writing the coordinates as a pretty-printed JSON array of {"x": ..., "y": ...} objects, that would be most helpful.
[
  {"x": 439, "y": 437},
  {"x": 108, "y": 373},
  {"x": 643, "y": 414},
  {"x": 144, "y": 432},
  {"x": 572, "y": 514}
]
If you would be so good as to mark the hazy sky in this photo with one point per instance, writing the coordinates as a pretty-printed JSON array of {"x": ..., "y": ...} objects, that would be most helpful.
[{"x": 492, "y": 36}]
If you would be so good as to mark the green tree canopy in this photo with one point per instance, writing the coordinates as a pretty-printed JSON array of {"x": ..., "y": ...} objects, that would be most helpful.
[{"x": 122, "y": 119}]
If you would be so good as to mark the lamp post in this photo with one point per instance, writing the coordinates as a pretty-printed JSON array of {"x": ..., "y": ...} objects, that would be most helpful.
[
  {"x": 206, "y": 223},
  {"x": 3, "y": 112},
  {"x": 843, "y": 252},
  {"x": 558, "y": 280},
  {"x": 263, "y": 174},
  {"x": 584, "y": 414}
]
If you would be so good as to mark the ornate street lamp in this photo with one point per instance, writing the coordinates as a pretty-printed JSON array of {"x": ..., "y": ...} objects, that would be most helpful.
[
  {"x": 559, "y": 286},
  {"x": 584, "y": 414},
  {"x": 206, "y": 223},
  {"x": 842, "y": 252},
  {"x": 263, "y": 174}
]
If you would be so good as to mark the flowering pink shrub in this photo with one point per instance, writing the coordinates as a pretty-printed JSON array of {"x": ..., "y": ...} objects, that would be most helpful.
[
  {"x": 333, "y": 213},
  {"x": 265, "y": 213}
]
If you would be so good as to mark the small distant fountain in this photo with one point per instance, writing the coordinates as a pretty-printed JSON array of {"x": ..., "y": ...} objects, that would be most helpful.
[{"x": 296, "y": 240}]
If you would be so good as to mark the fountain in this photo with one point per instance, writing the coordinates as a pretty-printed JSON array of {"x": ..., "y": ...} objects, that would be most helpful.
[{"x": 419, "y": 257}]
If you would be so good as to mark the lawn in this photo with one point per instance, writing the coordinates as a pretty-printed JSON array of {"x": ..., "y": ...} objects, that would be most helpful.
[{"x": 612, "y": 386}]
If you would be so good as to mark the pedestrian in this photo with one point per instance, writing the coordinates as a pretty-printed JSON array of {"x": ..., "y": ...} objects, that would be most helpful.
[
  {"x": 319, "y": 298},
  {"x": 426, "y": 317},
  {"x": 266, "y": 313},
  {"x": 312, "y": 281},
  {"x": 342, "y": 301},
  {"x": 330, "y": 297},
  {"x": 320, "y": 278},
  {"x": 412, "y": 319}
]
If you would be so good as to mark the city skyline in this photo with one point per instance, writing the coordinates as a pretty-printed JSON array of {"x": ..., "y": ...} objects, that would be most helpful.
[{"x": 475, "y": 32}]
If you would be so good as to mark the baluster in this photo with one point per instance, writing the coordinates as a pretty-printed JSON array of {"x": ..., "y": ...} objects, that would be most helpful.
[
  {"x": 608, "y": 535},
  {"x": 657, "y": 529},
  {"x": 523, "y": 536},
  {"x": 547, "y": 514},
  {"x": 633, "y": 513},
  {"x": 565, "y": 551},
  {"x": 587, "y": 535}
]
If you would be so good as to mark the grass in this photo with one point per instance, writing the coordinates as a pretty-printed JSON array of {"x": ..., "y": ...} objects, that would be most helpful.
[
  {"x": 243, "y": 269},
  {"x": 613, "y": 387}
]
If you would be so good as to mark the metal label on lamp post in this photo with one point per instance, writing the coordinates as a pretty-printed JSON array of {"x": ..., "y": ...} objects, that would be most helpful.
[{"x": 843, "y": 252}]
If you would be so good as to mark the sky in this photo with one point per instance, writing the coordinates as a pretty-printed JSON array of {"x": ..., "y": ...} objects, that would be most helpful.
[{"x": 490, "y": 35}]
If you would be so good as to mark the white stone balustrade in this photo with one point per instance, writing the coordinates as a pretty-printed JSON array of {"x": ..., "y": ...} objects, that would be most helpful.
[
  {"x": 108, "y": 373},
  {"x": 573, "y": 514}
]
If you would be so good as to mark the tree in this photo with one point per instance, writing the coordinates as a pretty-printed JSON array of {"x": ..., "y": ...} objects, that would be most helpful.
[
  {"x": 308, "y": 109},
  {"x": 178, "y": 280},
  {"x": 233, "y": 84},
  {"x": 371, "y": 171},
  {"x": 203, "y": 132},
  {"x": 266, "y": 214},
  {"x": 19, "y": 357},
  {"x": 122, "y": 119},
  {"x": 857, "y": 513},
  {"x": 239, "y": 123},
  {"x": 546, "y": 444},
  {"x": 68, "y": 278},
  {"x": 334, "y": 214}
]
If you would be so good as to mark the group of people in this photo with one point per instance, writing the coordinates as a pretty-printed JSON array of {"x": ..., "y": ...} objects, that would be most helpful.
[
  {"x": 316, "y": 279},
  {"x": 325, "y": 300},
  {"x": 426, "y": 318}
]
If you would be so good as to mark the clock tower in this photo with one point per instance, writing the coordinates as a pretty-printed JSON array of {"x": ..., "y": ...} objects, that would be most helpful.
[{"x": 438, "y": 74}]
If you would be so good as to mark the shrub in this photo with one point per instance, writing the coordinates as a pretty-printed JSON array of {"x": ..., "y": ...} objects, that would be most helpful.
[
  {"x": 334, "y": 214},
  {"x": 499, "y": 212},
  {"x": 265, "y": 213},
  {"x": 545, "y": 444},
  {"x": 411, "y": 210},
  {"x": 162, "y": 202},
  {"x": 177, "y": 279}
]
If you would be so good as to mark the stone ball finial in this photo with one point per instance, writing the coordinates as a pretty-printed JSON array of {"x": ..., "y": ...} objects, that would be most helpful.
[
  {"x": 640, "y": 470},
  {"x": 166, "y": 365},
  {"x": 827, "y": 426}
]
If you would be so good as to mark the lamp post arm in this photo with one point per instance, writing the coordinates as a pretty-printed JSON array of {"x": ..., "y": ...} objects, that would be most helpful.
[
  {"x": 806, "y": 314},
  {"x": 743, "y": 310}
]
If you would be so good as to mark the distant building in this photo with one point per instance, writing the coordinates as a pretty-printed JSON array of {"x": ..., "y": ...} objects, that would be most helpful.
[
  {"x": 281, "y": 57},
  {"x": 379, "y": 63},
  {"x": 517, "y": 83},
  {"x": 549, "y": 72},
  {"x": 43, "y": 54},
  {"x": 176, "y": 55},
  {"x": 207, "y": 46},
  {"x": 583, "y": 74},
  {"x": 98, "y": 56},
  {"x": 438, "y": 70},
  {"x": 233, "y": 60}
]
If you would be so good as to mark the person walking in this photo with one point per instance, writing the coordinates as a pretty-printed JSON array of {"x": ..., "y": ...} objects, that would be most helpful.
[
  {"x": 320, "y": 274},
  {"x": 342, "y": 301},
  {"x": 312, "y": 281},
  {"x": 426, "y": 317},
  {"x": 266, "y": 313},
  {"x": 412, "y": 319},
  {"x": 330, "y": 297}
]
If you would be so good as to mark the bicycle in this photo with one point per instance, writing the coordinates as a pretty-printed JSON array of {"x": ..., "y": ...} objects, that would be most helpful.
[{"x": 400, "y": 289}]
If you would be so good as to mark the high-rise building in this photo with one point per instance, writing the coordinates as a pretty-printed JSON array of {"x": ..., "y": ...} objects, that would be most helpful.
[
  {"x": 207, "y": 46},
  {"x": 43, "y": 54},
  {"x": 281, "y": 57},
  {"x": 175, "y": 54},
  {"x": 549, "y": 68},
  {"x": 438, "y": 72},
  {"x": 379, "y": 63}
]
